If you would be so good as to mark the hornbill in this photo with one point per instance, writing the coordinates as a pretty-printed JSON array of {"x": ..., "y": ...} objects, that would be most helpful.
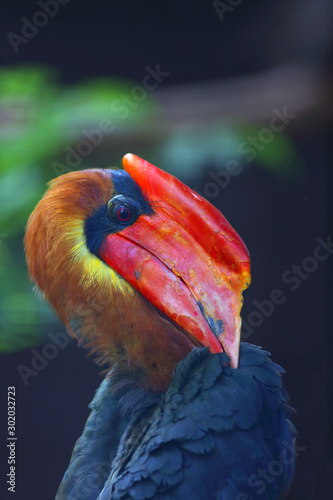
[{"x": 150, "y": 275}]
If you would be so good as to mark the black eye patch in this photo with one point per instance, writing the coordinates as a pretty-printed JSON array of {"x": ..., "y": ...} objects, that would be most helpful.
[{"x": 122, "y": 210}]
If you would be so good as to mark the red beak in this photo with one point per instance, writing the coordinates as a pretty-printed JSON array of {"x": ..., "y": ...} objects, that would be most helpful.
[{"x": 185, "y": 259}]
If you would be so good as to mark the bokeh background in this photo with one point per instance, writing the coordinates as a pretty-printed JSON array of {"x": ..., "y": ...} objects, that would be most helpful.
[{"x": 233, "y": 98}]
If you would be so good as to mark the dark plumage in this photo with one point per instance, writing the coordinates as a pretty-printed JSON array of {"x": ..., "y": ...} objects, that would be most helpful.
[{"x": 217, "y": 433}]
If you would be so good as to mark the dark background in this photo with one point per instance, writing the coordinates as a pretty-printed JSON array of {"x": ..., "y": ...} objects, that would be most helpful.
[{"x": 278, "y": 219}]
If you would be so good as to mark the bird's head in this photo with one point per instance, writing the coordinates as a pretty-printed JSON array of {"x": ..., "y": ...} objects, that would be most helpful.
[{"x": 139, "y": 266}]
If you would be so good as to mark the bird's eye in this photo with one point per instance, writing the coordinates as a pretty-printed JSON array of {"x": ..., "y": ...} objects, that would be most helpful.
[
  {"x": 123, "y": 213},
  {"x": 123, "y": 210}
]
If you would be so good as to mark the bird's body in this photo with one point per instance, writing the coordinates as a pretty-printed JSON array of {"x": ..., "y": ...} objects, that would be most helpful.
[
  {"x": 150, "y": 275},
  {"x": 217, "y": 433}
]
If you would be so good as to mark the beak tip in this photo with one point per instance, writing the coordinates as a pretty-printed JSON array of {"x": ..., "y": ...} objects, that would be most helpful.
[
  {"x": 234, "y": 358},
  {"x": 233, "y": 364}
]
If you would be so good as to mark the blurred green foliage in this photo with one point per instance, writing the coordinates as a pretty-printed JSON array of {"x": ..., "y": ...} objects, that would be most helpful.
[
  {"x": 38, "y": 119},
  {"x": 192, "y": 148},
  {"x": 42, "y": 120}
]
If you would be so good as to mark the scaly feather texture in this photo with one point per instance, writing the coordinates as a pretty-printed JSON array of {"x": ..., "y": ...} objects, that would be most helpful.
[{"x": 217, "y": 433}]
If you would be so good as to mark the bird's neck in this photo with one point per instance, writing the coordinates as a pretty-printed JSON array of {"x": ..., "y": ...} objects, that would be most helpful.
[{"x": 142, "y": 347}]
